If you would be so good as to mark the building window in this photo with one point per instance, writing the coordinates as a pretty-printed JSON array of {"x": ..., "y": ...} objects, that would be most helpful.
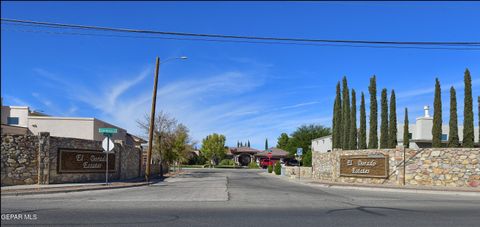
[
  {"x": 444, "y": 137},
  {"x": 12, "y": 120}
]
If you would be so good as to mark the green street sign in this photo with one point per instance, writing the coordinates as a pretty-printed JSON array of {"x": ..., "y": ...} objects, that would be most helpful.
[{"x": 107, "y": 130}]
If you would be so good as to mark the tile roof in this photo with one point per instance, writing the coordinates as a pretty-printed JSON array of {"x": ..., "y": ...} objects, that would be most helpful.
[
  {"x": 276, "y": 152},
  {"x": 242, "y": 150}
]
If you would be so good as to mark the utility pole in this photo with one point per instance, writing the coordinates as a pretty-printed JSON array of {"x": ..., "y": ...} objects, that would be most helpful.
[
  {"x": 404, "y": 165},
  {"x": 152, "y": 122}
]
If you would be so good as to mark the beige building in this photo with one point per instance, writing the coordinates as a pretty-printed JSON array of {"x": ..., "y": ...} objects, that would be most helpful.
[
  {"x": 322, "y": 144},
  {"x": 21, "y": 117}
]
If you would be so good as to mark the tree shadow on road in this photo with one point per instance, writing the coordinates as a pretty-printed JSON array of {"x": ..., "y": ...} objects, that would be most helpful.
[{"x": 367, "y": 209}]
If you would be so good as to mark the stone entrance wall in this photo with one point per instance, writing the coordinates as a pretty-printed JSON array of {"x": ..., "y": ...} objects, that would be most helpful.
[
  {"x": 19, "y": 159},
  {"x": 129, "y": 160},
  {"x": 452, "y": 167},
  {"x": 295, "y": 171},
  {"x": 29, "y": 159},
  {"x": 446, "y": 167},
  {"x": 80, "y": 144}
]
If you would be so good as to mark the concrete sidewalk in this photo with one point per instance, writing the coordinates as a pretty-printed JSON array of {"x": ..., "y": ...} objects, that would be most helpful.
[
  {"x": 30, "y": 189},
  {"x": 386, "y": 188}
]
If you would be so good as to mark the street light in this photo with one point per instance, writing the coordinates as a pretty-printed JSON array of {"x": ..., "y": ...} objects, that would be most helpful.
[
  {"x": 175, "y": 58},
  {"x": 152, "y": 116}
]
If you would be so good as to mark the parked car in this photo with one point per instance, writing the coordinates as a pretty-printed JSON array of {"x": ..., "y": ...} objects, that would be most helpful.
[
  {"x": 264, "y": 163},
  {"x": 292, "y": 162}
]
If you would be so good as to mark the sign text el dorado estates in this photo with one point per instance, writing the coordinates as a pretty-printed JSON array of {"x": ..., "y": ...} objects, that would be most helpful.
[
  {"x": 364, "y": 166},
  {"x": 84, "y": 161}
]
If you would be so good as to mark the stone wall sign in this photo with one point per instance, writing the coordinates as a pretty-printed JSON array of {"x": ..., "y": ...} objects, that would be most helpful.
[
  {"x": 84, "y": 161},
  {"x": 375, "y": 166}
]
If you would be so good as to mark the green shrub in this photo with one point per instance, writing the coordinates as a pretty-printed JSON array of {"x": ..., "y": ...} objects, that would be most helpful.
[
  {"x": 200, "y": 160},
  {"x": 253, "y": 165},
  {"x": 307, "y": 159},
  {"x": 208, "y": 165},
  {"x": 270, "y": 169},
  {"x": 278, "y": 168},
  {"x": 225, "y": 166},
  {"x": 227, "y": 162},
  {"x": 191, "y": 166}
]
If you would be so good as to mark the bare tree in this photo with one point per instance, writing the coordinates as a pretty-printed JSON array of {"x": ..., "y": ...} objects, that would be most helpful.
[{"x": 171, "y": 142}]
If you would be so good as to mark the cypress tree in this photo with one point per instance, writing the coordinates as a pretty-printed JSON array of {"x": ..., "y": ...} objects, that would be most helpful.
[
  {"x": 468, "y": 136},
  {"x": 437, "y": 116},
  {"x": 478, "y": 118},
  {"x": 372, "y": 136},
  {"x": 392, "y": 131},
  {"x": 362, "y": 136},
  {"x": 248, "y": 144},
  {"x": 266, "y": 144},
  {"x": 346, "y": 115},
  {"x": 238, "y": 143},
  {"x": 334, "y": 122},
  {"x": 406, "y": 136},
  {"x": 453, "y": 140},
  {"x": 384, "y": 120},
  {"x": 353, "y": 120},
  {"x": 337, "y": 120}
]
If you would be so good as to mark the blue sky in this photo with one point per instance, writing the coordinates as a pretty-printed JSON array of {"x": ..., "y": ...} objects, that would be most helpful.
[{"x": 245, "y": 91}]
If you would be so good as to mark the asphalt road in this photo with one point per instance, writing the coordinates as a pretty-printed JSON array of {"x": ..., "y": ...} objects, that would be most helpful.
[{"x": 225, "y": 197}]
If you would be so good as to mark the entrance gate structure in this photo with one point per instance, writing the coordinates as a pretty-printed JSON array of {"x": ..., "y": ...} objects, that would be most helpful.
[{"x": 243, "y": 155}]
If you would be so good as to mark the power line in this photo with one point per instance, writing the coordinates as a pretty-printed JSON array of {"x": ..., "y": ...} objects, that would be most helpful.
[
  {"x": 239, "y": 41},
  {"x": 111, "y": 29}
]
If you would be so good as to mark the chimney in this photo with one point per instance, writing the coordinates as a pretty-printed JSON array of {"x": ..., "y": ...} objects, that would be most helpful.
[
  {"x": 426, "y": 108},
  {"x": 423, "y": 126}
]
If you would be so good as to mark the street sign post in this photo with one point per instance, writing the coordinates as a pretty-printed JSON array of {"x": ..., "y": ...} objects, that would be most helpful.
[
  {"x": 299, "y": 151},
  {"x": 269, "y": 155},
  {"x": 108, "y": 130},
  {"x": 107, "y": 146},
  {"x": 299, "y": 157}
]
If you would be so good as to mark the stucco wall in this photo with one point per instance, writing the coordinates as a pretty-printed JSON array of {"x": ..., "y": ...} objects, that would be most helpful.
[
  {"x": 81, "y": 128},
  {"x": 445, "y": 167},
  {"x": 16, "y": 111},
  {"x": 322, "y": 144},
  {"x": 73, "y": 127}
]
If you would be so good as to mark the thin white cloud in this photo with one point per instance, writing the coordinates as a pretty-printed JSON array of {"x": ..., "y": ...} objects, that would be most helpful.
[
  {"x": 45, "y": 102},
  {"x": 190, "y": 100},
  {"x": 431, "y": 89},
  {"x": 300, "y": 105},
  {"x": 229, "y": 103},
  {"x": 72, "y": 110},
  {"x": 115, "y": 91},
  {"x": 244, "y": 113},
  {"x": 14, "y": 101}
]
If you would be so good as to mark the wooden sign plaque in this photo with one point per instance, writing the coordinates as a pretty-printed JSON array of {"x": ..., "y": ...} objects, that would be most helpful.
[
  {"x": 375, "y": 166},
  {"x": 84, "y": 161}
]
